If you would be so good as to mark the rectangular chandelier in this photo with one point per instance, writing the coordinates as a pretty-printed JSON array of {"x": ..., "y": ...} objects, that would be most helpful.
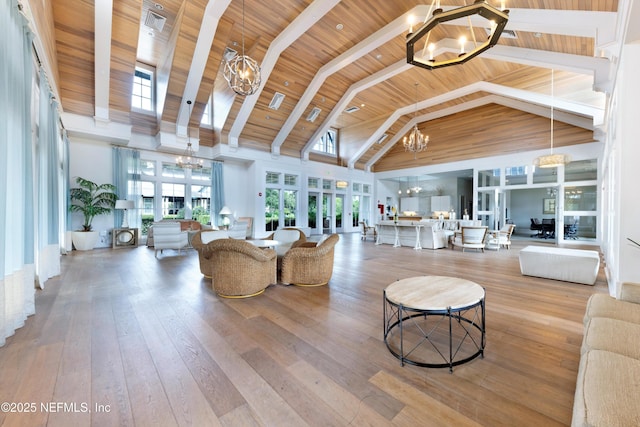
[{"x": 497, "y": 21}]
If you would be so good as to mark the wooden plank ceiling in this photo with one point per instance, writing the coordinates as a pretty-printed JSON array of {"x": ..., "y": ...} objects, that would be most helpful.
[{"x": 333, "y": 54}]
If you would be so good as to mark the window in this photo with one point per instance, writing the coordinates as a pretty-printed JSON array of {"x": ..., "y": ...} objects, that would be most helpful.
[
  {"x": 201, "y": 203},
  {"x": 172, "y": 201},
  {"x": 545, "y": 175},
  {"x": 290, "y": 207},
  {"x": 581, "y": 170},
  {"x": 148, "y": 200},
  {"x": 516, "y": 175},
  {"x": 206, "y": 119},
  {"x": 169, "y": 170},
  {"x": 313, "y": 183},
  {"x": 142, "y": 93},
  {"x": 203, "y": 174},
  {"x": 327, "y": 143},
  {"x": 272, "y": 209},
  {"x": 148, "y": 168},
  {"x": 290, "y": 179},
  {"x": 489, "y": 178},
  {"x": 273, "y": 178}
]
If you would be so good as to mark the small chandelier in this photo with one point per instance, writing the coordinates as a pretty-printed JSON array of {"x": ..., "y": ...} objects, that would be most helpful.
[
  {"x": 416, "y": 141},
  {"x": 188, "y": 159},
  {"x": 552, "y": 160},
  {"x": 497, "y": 21},
  {"x": 242, "y": 72}
]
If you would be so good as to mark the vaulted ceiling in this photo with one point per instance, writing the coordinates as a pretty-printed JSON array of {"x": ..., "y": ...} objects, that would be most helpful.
[{"x": 337, "y": 56}]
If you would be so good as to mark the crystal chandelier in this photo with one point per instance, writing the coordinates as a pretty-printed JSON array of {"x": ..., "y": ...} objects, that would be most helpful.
[
  {"x": 188, "y": 159},
  {"x": 242, "y": 72},
  {"x": 416, "y": 141},
  {"x": 552, "y": 160}
]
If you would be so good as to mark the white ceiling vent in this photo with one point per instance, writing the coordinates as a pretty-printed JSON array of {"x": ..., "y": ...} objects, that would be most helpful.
[
  {"x": 229, "y": 54},
  {"x": 382, "y": 138},
  {"x": 507, "y": 34},
  {"x": 352, "y": 109},
  {"x": 276, "y": 101},
  {"x": 313, "y": 115},
  {"x": 155, "y": 21}
]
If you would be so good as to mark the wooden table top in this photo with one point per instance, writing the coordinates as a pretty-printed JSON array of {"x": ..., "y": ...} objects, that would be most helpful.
[{"x": 434, "y": 292}]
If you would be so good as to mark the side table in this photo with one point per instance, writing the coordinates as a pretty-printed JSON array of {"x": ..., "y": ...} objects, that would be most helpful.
[
  {"x": 434, "y": 321},
  {"x": 125, "y": 238}
]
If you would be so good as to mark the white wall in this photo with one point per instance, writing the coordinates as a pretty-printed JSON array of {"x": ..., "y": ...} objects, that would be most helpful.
[
  {"x": 92, "y": 160},
  {"x": 622, "y": 256}
]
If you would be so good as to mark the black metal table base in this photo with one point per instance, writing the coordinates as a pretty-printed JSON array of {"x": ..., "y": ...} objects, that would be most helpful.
[{"x": 465, "y": 327}]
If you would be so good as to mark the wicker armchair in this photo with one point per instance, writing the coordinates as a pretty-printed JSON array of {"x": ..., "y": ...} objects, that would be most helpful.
[
  {"x": 200, "y": 242},
  {"x": 308, "y": 263},
  {"x": 240, "y": 269}
]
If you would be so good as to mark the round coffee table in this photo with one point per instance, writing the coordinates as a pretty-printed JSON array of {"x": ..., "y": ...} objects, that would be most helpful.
[{"x": 434, "y": 321}]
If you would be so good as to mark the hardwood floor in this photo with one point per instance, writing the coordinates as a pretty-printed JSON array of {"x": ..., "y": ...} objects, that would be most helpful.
[{"x": 121, "y": 338}]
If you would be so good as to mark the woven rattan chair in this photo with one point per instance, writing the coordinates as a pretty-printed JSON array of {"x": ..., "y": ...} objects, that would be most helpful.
[
  {"x": 200, "y": 242},
  {"x": 309, "y": 263},
  {"x": 240, "y": 269}
]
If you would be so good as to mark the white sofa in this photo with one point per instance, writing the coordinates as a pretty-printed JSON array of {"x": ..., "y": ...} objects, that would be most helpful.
[
  {"x": 169, "y": 235},
  {"x": 608, "y": 383},
  {"x": 570, "y": 265}
]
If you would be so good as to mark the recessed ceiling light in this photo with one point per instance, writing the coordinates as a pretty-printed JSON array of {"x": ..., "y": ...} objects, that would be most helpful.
[
  {"x": 286, "y": 83},
  {"x": 339, "y": 27},
  {"x": 361, "y": 105},
  {"x": 379, "y": 56}
]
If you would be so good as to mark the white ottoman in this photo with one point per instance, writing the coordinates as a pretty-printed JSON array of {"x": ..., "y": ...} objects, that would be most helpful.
[{"x": 570, "y": 265}]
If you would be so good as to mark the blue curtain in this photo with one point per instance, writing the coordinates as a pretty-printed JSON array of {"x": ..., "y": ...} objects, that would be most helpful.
[
  {"x": 217, "y": 192},
  {"x": 49, "y": 167},
  {"x": 126, "y": 178},
  {"x": 17, "y": 243}
]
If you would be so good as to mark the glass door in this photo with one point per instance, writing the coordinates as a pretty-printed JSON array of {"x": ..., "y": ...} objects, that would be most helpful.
[
  {"x": 327, "y": 208},
  {"x": 340, "y": 213},
  {"x": 314, "y": 221}
]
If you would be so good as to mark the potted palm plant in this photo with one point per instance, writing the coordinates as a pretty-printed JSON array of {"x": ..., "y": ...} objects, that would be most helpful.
[{"x": 91, "y": 200}]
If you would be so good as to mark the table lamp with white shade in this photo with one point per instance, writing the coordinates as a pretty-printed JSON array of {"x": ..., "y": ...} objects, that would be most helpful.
[
  {"x": 124, "y": 205},
  {"x": 225, "y": 212}
]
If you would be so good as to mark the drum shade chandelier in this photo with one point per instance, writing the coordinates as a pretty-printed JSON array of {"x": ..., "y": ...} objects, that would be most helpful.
[
  {"x": 552, "y": 160},
  {"x": 242, "y": 72},
  {"x": 497, "y": 20},
  {"x": 188, "y": 159},
  {"x": 416, "y": 141}
]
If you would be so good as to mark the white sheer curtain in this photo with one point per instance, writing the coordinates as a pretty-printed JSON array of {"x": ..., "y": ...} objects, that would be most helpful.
[
  {"x": 126, "y": 178},
  {"x": 49, "y": 174},
  {"x": 17, "y": 244}
]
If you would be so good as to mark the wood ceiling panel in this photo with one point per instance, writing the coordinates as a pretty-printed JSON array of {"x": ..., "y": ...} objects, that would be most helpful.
[
  {"x": 491, "y": 130},
  {"x": 124, "y": 47},
  {"x": 75, "y": 53},
  {"x": 189, "y": 27}
]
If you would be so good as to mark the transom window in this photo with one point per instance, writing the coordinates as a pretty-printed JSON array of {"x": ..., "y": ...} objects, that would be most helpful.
[
  {"x": 327, "y": 143},
  {"x": 142, "y": 93}
]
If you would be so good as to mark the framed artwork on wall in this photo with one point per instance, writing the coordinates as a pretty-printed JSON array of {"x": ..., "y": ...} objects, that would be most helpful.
[{"x": 548, "y": 206}]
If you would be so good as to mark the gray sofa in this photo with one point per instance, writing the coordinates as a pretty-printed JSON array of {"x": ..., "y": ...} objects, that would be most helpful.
[{"x": 608, "y": 384}]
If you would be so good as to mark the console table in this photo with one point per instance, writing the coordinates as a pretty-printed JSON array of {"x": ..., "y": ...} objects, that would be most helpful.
[{"x": 434, "y": 321}]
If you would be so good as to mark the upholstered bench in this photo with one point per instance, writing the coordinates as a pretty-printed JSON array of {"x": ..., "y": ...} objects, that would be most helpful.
[{"x": 569, "y": 265}]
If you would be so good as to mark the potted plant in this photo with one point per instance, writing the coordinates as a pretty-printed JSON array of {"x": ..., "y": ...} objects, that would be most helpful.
[{"x": 91, "y": 200}]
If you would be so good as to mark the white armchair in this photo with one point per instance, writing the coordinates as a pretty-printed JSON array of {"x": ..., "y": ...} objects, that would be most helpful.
[
  {"x": 504, "y": 235},
  {"x": 470, "y": 238},
  {"x": 168, "y": 235}
]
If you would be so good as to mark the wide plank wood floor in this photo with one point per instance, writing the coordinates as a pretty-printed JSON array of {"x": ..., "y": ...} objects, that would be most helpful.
[{"x": 124, "y": 339}]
